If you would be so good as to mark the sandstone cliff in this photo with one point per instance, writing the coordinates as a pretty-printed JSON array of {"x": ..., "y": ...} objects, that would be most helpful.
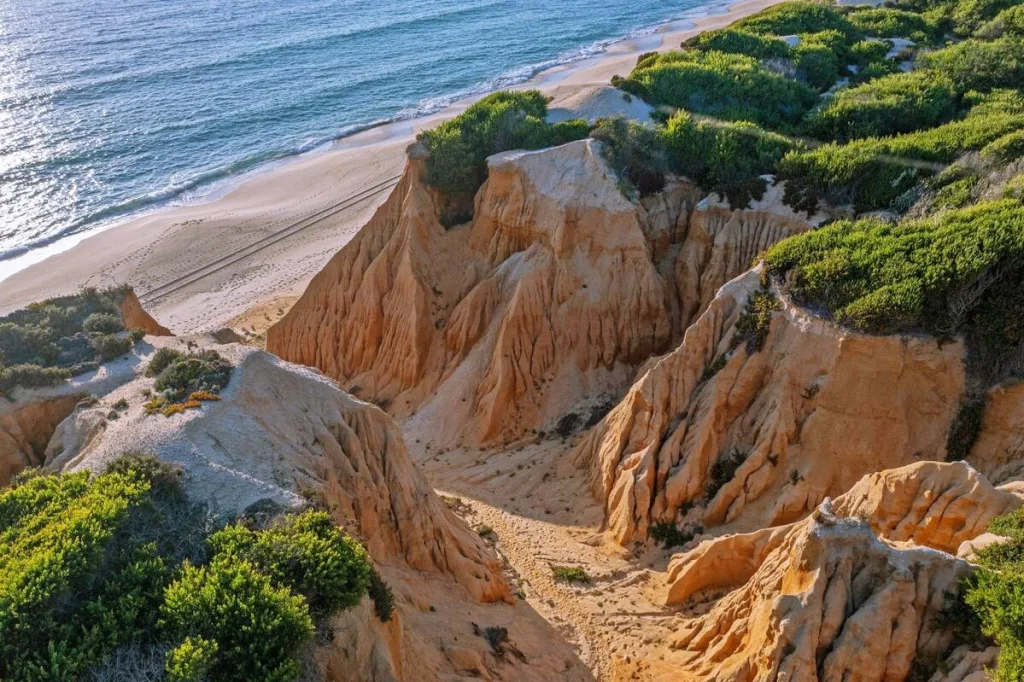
[
  {"x": 282, "y": 435},
  {"x": 544, "y": 305},
  {"x": 801, "y": 419},
  {"x": 831, "y": 601}
]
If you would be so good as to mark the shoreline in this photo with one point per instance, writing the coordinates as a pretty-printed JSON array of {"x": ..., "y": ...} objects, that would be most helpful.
[{"x": 242, "y": 253}]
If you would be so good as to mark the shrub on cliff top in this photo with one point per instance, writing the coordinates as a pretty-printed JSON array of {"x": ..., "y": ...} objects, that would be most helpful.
[
  {"x": 935, "y": 274},
  {"x": 733, "y": 87},
  {"x": 457, "y": 165},
  {"x": 884, "y": 22},
  {"x": 873, "y": 172},
  {"x": 61, "y": 337}
]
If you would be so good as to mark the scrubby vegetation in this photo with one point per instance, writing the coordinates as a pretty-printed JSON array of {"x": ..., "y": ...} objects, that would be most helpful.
[
  {"x": 186, "y": 380},
  {"x": 570, "y": 574},
  {"x": 723, "y": 471},
  {"x": 996, "y": 594},
  {"x": 956, "y": 272},
  {"x": 732, "y": 87},
  {"x": 50, "y": 341},
  {"x": 457, "y": 164},
  {"x": 92, "y": 563}
]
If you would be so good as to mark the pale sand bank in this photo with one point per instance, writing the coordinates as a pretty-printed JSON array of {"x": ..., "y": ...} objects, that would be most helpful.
[{"x": 242, "y": 259}]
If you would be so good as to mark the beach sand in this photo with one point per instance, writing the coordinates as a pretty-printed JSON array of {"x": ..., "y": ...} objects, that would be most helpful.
[{"x": 241, "y": 260}]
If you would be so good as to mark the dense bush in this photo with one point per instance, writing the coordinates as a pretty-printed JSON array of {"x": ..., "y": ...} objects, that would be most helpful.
[
  {"x": 308, "y": 553},
  {"x": 735, "y": 41},
  {"x": 457, "y": 165},
  {"x": 791, "y": 18},
  {"x": 978, "y": 64},
  {"x": 898, "y": 103},
  {"x": 61, "y": 337},
  {"x": 725, "y": 158},
  {"x": 1006, "y": 148},
  {"x": 997, "y": 595},
  {"x": 932, "y": 274},
  {"x": 89, "y": 564},
  {"x": 968, "y": 16},
  {"x": 635, "y": 152},
  {"x": 246, "y": 629},
  {"x": 872, "y": 173},
  {"x": 884, "y": 22},
  {"x": 181, "y": 375},
  {"x": 1009, "y": 22},
  {"x": 729, "y": 86}
]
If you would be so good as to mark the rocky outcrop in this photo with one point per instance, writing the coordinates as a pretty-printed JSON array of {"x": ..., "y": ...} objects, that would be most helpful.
[
  {"x": 135, "y": 317},
  {"x": 999, "y": 450},
  {"x": 552, "y": 297},
  {"x": 831, "y": 601},
  {"x": 930, "y": 504},
  {"x": 804, "y": 418},
  {"x": 283, "y": 436},
  {"x": 26, "y": 428},
  {"x": 283, "y": 433}
]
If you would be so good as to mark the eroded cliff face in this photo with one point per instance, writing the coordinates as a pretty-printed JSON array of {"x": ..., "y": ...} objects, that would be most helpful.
[
  {"x": 545, "y": 304},
  {"x": 830, "y": 601},
  {"x": 283, "y": 435},
  {"x": 803, "y": 418},
  {"x": 929, "y": 504}
]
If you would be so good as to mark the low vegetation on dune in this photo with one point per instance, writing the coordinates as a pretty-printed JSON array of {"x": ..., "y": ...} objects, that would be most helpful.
[
  {"x": 48, "y": 342},
  {"x": 93, "y": 565},
  {"x": 186, "y": 380}
]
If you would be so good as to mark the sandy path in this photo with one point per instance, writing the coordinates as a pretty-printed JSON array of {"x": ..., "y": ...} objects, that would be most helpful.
[
  {"x": 542, "y": 515},
  {"x": 208, "y": 264}
]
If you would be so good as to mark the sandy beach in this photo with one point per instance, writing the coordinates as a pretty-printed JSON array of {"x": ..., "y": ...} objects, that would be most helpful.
[{"x": 241, "y": 260}]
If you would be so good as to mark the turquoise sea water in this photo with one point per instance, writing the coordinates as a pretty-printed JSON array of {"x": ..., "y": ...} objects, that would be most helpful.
[{"x": 109, "y": 107}]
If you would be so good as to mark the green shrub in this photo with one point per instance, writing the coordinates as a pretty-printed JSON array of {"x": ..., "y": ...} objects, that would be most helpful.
[
  {"x": 103, "y": 323},
  {"x": 723, "y": 471},
  {"x": 964, "y": 431},
  {"x": 872, "y": 173},
  {"x": 996, "y": 594},
  {"x": 55, "y": 334},
  {"x": 978, "y": 64},
  {"x": 191, "y": 661},
  {"x": 108, "y": 346},
  {"x": 920, "y": 274},
  {"x": 898, "y": 103},
  {"x": 383, "y": 598},
  {"x": 1009, "y": 22},
  {"x": 728, "y": 86},
  {"x": 817, "y": 64},
  {"x": 92, "y": 563},
  {"x": 205, "y": 371},
  {"x": 725, "y": 158},
  {"x": 735, "y": 42},
  {"x": 635, "y": 152},
  {"x": 791, "y": 18},
  {"x": 865, "y": 52},
  {"x": 307, "y": 553},
  {"x": 160, "y": 361},
  {"x": 1005, "y": 149},
  {"x": 753, "y": 326},
  {"x": 884, "y": 22},
  {"x": 969, "y": 15},
  {"x": 457, "y": 165},
  {"x": 570, "y": 574},
  {"x": 31, "y": 376},
  {"x": 668, "y": 535},
  {"x": 255, "y": 626}
]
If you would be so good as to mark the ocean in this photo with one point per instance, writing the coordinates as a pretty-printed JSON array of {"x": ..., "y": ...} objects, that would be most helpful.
[{"x": 113, "y": 107}]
